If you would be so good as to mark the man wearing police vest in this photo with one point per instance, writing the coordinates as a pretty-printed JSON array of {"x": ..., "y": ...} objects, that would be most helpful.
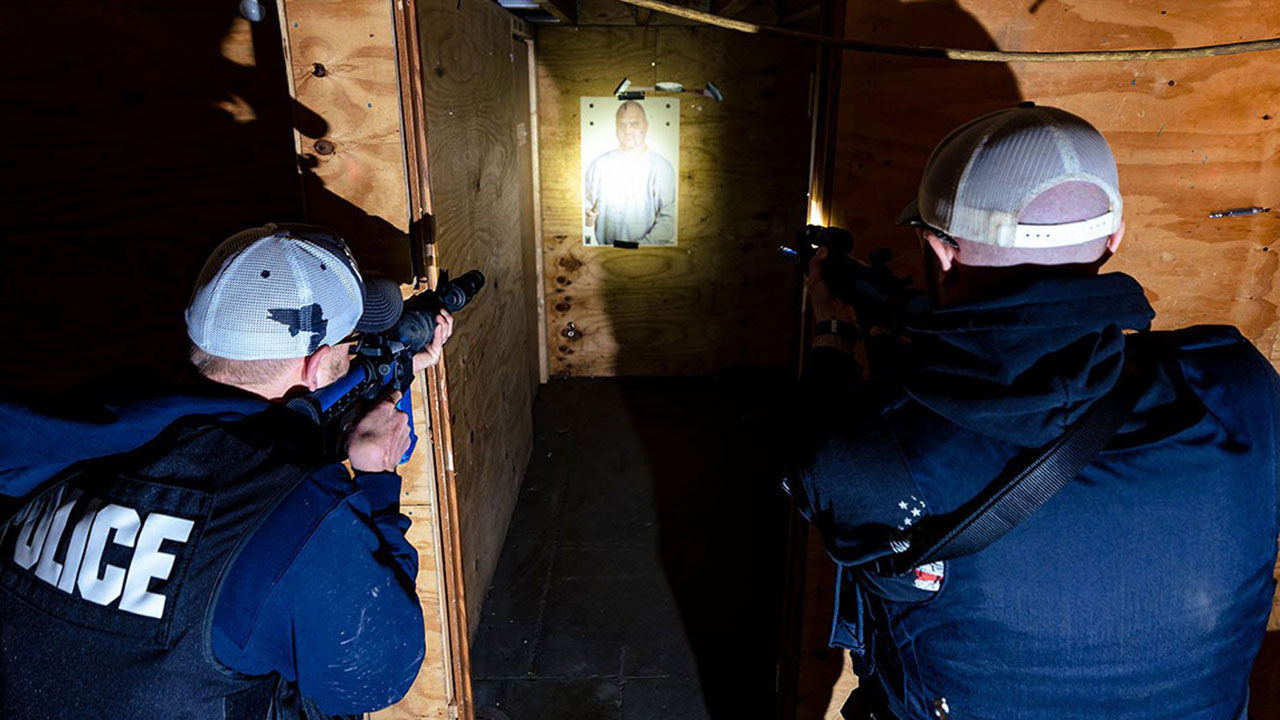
[
  {"x": 187, "y": 551},
  {"x": 1039, "y": 508}
]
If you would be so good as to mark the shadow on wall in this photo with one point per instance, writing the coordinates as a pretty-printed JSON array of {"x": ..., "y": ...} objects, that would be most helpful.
[
  {"x": 140, "y": 140},
  {"x": 894, "y": 110}
]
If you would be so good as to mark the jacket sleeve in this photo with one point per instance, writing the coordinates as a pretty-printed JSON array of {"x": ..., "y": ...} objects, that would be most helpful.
[
  {"x": 852, "y": 481},
  {"x": 324, "y": 595}
]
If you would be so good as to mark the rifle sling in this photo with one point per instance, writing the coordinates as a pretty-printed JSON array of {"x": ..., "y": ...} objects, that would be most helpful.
[{"x": 1016, "y": 495}]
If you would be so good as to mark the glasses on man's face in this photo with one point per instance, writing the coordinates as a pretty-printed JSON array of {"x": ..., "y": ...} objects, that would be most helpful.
[
  {"x": 921, "y": 229},
  {"x": 356, "y": 338}
]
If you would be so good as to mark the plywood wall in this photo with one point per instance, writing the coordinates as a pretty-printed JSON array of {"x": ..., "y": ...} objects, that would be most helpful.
[
  {"x": 137, "y": 137},
  {"x": 433, "y": 691},
  {"x": 469, "y": 84},
  {"x": 350, "y": 143},
  {"x": 721, "y": 298},
  {"x": 1190, "y": 136}
]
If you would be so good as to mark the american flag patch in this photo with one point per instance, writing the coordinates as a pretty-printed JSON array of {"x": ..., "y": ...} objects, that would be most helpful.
[{"x": 928, "y": 577}]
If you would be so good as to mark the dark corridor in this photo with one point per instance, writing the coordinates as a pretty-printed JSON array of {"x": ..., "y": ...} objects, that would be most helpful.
[{"x": 641, "y": 575}]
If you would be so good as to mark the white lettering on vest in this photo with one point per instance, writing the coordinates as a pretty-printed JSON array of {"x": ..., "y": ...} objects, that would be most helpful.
[
  {"x": 117, "y": 520},
  {"x": 149, "y": 562},
  {"x": 35, "y": 528},
  {"x": 48, "y": 569},
  {"x": 75, "y": 549},
  {"x": 45, "y": 524}
]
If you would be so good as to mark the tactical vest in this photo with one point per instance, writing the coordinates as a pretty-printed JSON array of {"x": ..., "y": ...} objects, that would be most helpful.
[{"x": 108, "y": 578}]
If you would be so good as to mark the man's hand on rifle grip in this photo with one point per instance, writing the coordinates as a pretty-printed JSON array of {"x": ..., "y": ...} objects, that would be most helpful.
[{"x": 380, "y": 438}]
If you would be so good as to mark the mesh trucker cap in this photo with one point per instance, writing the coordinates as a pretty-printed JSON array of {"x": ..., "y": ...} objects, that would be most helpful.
[
  {"x": 980, "y": 178},
  {"x": 281, "y": 291}
]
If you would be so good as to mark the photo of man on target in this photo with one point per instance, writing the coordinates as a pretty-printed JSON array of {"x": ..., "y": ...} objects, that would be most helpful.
[{"x": 629, "y": 185}]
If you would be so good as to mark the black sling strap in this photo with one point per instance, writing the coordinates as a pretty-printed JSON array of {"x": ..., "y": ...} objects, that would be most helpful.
[{"x": 1014, "y": 496}]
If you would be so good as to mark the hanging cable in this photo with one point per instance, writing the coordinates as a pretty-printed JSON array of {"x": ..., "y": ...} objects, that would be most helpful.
[{"x": 959, "y": 53}]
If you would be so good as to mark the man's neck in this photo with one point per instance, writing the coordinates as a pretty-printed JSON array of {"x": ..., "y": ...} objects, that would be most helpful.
[
  {"x": 636, "y": 151},
  {"x": 273, "y": 392},
  {"x": 965, "y": 284}
]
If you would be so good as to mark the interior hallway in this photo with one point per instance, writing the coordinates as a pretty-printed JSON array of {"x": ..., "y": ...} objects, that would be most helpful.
[{"x": 641, "y": 572}]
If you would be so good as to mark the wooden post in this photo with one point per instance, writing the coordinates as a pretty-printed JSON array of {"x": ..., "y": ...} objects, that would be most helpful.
[
  {"x": 360, "y": 134},
  {"x": 814, "y": 680}
]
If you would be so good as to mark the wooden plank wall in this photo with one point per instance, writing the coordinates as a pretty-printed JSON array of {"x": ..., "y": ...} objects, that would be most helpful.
[
  {"x": 139, "y": 135},
  {"x": 431, "y": 694},
  {"x": 721, "y": 298},
  {"x": 350, "y": 144},
  {"x": 1190, "y": 137},
  {"x": 470, "y": 94}
]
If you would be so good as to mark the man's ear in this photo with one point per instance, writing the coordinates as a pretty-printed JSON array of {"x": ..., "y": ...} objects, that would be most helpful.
[
  {"x": 312, "y": 364},
  {"x": 946, "y": 253},
  {"x": 1113, "y": 242}
]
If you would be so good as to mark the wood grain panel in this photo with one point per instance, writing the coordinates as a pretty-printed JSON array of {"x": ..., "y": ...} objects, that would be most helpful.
[
  {"x": 469, "y": 85},
  {"x": 351, "y": 148},
  {"x": 721, "y": 298},
  {"x": 432, "y": 692},
  {"x": 530, "y": 217},
  {"x": 1190, "y": 136}
]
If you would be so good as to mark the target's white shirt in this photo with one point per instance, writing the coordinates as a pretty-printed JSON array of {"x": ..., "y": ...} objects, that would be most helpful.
[{"x": 634, "y": 198}]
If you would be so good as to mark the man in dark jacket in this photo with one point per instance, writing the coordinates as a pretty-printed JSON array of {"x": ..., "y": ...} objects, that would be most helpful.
[
  {"x": 1139, "y": 590},
  {"x": 190, "y": 552}
]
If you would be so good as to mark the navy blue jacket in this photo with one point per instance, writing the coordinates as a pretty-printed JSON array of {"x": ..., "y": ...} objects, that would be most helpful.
[
  {"x": 1141, "y": 590},
  {"x": 321, "y": 594}
]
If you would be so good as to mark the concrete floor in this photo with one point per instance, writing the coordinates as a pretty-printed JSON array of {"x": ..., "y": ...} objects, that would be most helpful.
[{"x": 641, "y": 573}]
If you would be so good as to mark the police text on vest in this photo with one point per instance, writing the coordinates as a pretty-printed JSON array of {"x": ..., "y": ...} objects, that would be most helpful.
[{"x": 91, "y": 525}]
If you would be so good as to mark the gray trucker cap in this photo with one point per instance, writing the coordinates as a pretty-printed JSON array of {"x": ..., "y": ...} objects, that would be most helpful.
[
  {"x": 981, "y": 176},
  {"x": 281, "y": 291}
]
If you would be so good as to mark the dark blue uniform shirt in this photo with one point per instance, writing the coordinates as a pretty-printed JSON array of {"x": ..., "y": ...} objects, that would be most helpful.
[{"x": 1141, "y": 590}]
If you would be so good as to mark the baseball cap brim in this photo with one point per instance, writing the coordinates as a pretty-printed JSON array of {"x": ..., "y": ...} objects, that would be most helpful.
[
  {"x": 910, "y": 214},
  {"x": 382, "y": 304}
]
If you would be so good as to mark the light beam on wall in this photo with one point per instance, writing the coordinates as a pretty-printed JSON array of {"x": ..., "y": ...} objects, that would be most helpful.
[{"x": 815, "y": 213}]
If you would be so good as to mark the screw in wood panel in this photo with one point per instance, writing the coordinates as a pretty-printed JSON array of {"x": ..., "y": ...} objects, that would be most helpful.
[
  {"x": 318, "y": 70},
  {"x": 324, "y": 147}
]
